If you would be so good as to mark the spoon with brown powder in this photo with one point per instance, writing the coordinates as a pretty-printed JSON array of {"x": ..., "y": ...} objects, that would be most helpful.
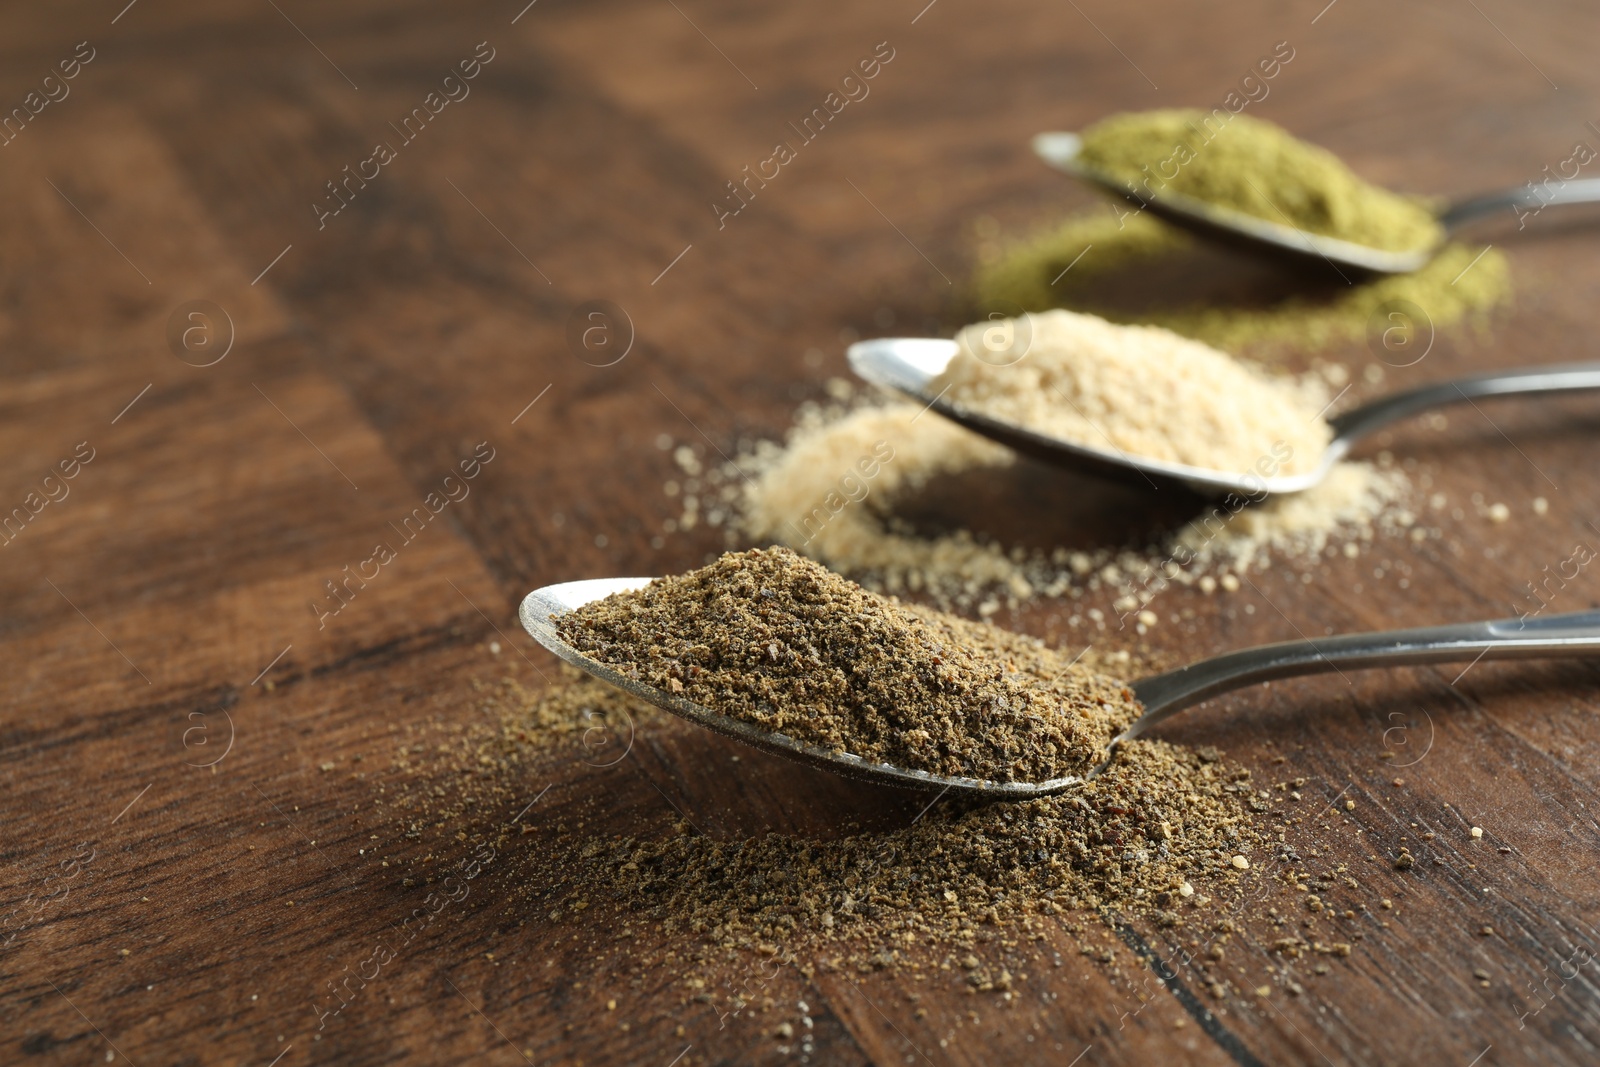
[
  {"x": 809, "y": 666},
  {"x": 1200, "y": 403}
]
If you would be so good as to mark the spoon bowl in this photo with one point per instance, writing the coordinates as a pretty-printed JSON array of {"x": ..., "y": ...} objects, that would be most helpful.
[
  {"x": 1161, "y": 695},
  {"x": 1227, "y": 225},
  {"x": 1214, "y": 222},
  {"x": 542, "y": 607},
  {"x": 910, "y": 365}
]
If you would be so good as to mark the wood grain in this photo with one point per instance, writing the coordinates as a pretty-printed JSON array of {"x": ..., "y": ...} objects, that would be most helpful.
[{"x": 209, "y": 901}]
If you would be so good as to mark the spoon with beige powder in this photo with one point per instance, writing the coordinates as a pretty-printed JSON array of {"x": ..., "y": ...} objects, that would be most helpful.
[
  {"x": 1146, "y": 406},
  {"x": 772, "y": 649}
]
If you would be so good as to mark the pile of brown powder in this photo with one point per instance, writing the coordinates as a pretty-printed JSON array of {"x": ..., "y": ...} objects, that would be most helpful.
[
  {"x": 1140, "y": 390},
  {"x": 954, "y": 892},
  {"x": 1134, "y": 839},
  {"x": 1164, "y": 831},
  {"x": 774, "y": 639}
]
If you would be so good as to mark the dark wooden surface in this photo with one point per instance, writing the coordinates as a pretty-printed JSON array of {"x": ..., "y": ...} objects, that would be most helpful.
[{"x": 379, "y": 351}]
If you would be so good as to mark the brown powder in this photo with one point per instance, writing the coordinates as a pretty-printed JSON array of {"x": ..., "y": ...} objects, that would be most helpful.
[
  {"x": 1156, "y": 835},
  {"x": 654, "y": 886},
  {"x": 1131, "y": 839},
  {"x": 774, "y": 639}
]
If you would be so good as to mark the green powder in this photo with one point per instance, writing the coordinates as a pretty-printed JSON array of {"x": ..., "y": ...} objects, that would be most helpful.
[
  {"x": 1272, "y": 310},
  {"x": 1255, "y": 167}
]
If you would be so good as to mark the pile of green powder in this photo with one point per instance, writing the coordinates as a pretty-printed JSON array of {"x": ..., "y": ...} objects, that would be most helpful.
[
  {"x": 774, "y": 639},
  {"x": 1067, "y": 264},
  {"x": 1255, "y": 167}
]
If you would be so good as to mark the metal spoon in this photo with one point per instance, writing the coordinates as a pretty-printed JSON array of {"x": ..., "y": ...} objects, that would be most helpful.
[
  {"x": 1061, "y": 150},
  {"x": 1162, "y": 695},
  {"x": 909, "y": 364}
]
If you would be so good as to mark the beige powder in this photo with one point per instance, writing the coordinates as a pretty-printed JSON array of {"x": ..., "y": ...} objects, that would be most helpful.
[
  {"x": 789, "y": 483},
  {"x": 795, "y": 480},
  {"x": 1344, "y": 505},
  {"x": 1140, "y": 390}
]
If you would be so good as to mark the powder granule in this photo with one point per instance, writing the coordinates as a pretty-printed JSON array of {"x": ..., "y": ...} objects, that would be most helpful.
[
  {"x": 1139, "y": 390},
  {"x": 771, "y": 638},
  {"x": 1255, "y": 167}
]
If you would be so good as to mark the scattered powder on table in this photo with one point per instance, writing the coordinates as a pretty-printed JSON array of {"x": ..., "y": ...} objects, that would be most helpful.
[
  {"x": 1140, "y": 390},
  {"x": 781, "y": 492},
  {"x": 1355, "y": 500},
  {"x": 1257, "y": 168},
  {"x": 1458, "y": 286},
  {"x": 960, "y": 891},
  {"x": 771, "y": 638},
  {"x": 1155, "y": 835}
]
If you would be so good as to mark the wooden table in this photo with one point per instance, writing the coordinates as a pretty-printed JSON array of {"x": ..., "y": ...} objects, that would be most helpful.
[{"x": 191, "y": 753}]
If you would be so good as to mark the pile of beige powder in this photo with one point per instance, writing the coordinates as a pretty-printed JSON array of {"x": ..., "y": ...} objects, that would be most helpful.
[
  {"x": 831, "y": 489},
  {"x": 1138, "y": 390}
]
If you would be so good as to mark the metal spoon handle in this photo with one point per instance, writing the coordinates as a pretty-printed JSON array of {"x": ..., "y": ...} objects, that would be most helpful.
[
  {"x": 1578, "y": 191},
  {"x": 1368, "y": 418},
  {"x": 1163, "y": 695}
]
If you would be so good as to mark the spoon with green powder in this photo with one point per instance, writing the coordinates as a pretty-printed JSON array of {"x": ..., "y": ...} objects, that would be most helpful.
[
  {"x": 1247, "y": 182},
  {"x": 1145, "y": 407},
  {"x": 556, "y": 612}
]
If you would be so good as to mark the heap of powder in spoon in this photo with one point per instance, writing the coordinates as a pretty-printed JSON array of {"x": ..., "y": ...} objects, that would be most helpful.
[
  {"x": 1257, "y": 168},
  {"x": 774, "y": 639},
  {"x": 1136, "y": 390}
]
